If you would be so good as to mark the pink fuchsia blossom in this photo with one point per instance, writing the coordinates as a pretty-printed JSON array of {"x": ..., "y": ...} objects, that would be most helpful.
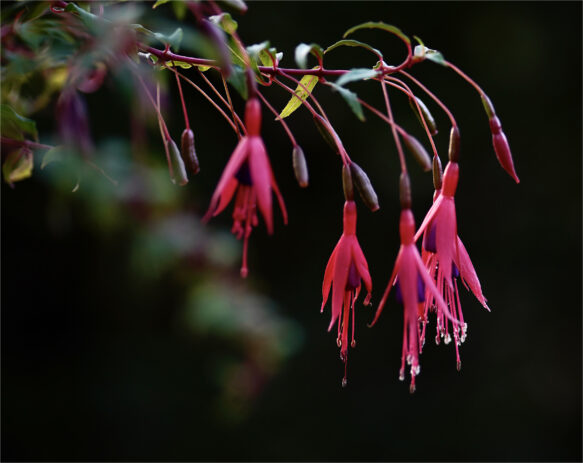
[
  {"x": 346, "y": 269},
  {"x": 248, "y": 173},
  {"x": 412, "y": 284},
  {"x": 446, "y": 260}
]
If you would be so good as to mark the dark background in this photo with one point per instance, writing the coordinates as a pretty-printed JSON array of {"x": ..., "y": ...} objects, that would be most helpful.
[{"x": 107, "y": 354}]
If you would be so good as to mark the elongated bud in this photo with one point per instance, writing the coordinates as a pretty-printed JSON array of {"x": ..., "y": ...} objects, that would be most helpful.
[
  {"x": 454, "y": 145},
  {"x": 425, "y": 114},
  {"x": 300, "y": 166},
  {"x": 364, "y": 187},
  {"x": 502, "y": 148},
  {"x": 418, "y": 151},
  {"x": 253, "y": 117},
  {"x": 405, "y": 191},
  {"x": 437, "y": 173},
  {"x": 326, "y": 135},
  {"x": 347, "y": 185},
  {"x": 176, "y": 167},
  {"x": 188, "y": 152}
]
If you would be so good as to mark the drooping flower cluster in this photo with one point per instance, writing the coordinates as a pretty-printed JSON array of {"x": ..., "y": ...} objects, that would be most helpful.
[
  {"x": 248, "y": 173},
  {"x": 346, "y": 270}
]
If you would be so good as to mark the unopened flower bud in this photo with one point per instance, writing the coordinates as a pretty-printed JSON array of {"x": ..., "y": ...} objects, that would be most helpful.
[
  {"x": 501, "y": 148},
  {"x": 425, "y": 114},
  {"x": 347, "y": 185},
  {"x": 405, "y": 191},
  {"x": 253, "y": 117},
  {"x": 437, "y": 173},
  {"x": 364, "y": 187},
  {"x": 188, "y": 152},
  {"x": 326, "y": 135},
  {"x": 176, "y": 167},
  {"x": 454, "y": 144},
  {"x": 300, "y": 166},
  {"x": 418, "y": 151}
]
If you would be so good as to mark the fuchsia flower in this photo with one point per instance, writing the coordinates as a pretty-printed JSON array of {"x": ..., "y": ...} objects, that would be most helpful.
[
  {"x": 248, "y": 173},
  {"x": 446, "y": 260},
  {"x": 412, "y": 286},
  {"x": 346, "y": 268}
]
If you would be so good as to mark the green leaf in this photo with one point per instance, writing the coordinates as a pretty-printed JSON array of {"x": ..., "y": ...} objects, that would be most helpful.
[
  {"x": 173, "y": 39},
  {"x": 422, "y": 52},
  {"x": 225, "y": 22},
  {"x": 302, "y": 51},
  {"x": 309, "y": 82},
  {"x": 179, "y": 9},
  {"x": 159, "y": 2},
  {"x": 353, "y": 43},
  {"x": 237, "y": 5},
  {"x": 13, "y": 125},
  {"x": 350, "y": 98},
  {"x": 18, "y": 165},
  {"x": 357, "y": 74},
  {"x": 55, "y": 154},
  {"x": 238, "y": 81},
  {"x": 378, "y": 25}
]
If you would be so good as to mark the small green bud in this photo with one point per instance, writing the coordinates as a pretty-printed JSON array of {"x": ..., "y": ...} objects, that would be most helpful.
[
  {"x": 437, "y": 173},
  {"x": 454, "y": 145},
  {"x": 364, "y": 187},
  {"x": 300, "y": 166},
  {"x": 425, "y": 114},
  {"x": 188, "y": 152},
  {"x": 326, "y": 135},
  {"x": 176, "y": 167},
  {"x": 347, "y": 183},
  {"x": 418, "y": 151},
  {"x": 405, "y": 191}
]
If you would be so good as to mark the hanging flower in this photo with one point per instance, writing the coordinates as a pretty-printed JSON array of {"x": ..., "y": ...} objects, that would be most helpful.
[
  {"x": 248, "y": 173},
  {"x": 446, "y": 260},
  {"x": 346, "y": 268},
  {"x": 412, "y": 285}
]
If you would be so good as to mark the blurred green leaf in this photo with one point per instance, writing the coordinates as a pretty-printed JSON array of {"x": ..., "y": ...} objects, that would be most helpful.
[
  {"x": 309, "y": 82},
  {"x": 55, "y": 154},
  {"x": 160, "y": 2},
  {"x": 238, "y": 81},
  {"x": 18, "y": 165},
  {"x": 13, "y": 125},
  {"x": 356, "y": 74},
  {"x": 422, "y": 52},
  {"x": 225, "y": 22},
  {"x": 351, "y": 98},
  {"x": 303, "y": 50}
]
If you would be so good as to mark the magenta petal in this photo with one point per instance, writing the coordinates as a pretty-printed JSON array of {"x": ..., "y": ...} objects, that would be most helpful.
[
  {"x": 361, "y": 265},
  {"x": 468, "y": 274},
  {"x": 446, "y": 236},
  {"x": 341, "y": 267},
  {"x": 328, "y": 275},
  {"x": 226, "y": 195},
  {"x": 231, "y": 169},
  {"x": 261, "y": 177},
  {"x": 408, "y": 272},
  {"x": 388, "y": 288},
  {"x": 429, "y": 216}
]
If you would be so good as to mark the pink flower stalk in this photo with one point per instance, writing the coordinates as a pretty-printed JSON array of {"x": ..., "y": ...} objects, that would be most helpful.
[
  {"x": 446, "y": 259},
  {"x": 345, "y": 270},
  {"x": 412, "y": 285},
  {"x": 248, "y": 173}
]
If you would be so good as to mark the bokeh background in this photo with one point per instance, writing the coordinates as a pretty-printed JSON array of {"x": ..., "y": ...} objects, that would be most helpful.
[{"x": 127, "y": 333}]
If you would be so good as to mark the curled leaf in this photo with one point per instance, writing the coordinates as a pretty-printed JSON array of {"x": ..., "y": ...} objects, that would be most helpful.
[
  {"x": 378, "y": 25},
  {"x": 303, "y": 50},
  {"x": 18, "y": 165}
]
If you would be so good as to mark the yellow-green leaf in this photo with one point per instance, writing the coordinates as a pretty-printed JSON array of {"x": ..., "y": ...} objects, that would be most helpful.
[
  {"x": 309, "y": 82},
  {"x": 18, "y": 165},
  {"x": 13, "y": 125}
]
